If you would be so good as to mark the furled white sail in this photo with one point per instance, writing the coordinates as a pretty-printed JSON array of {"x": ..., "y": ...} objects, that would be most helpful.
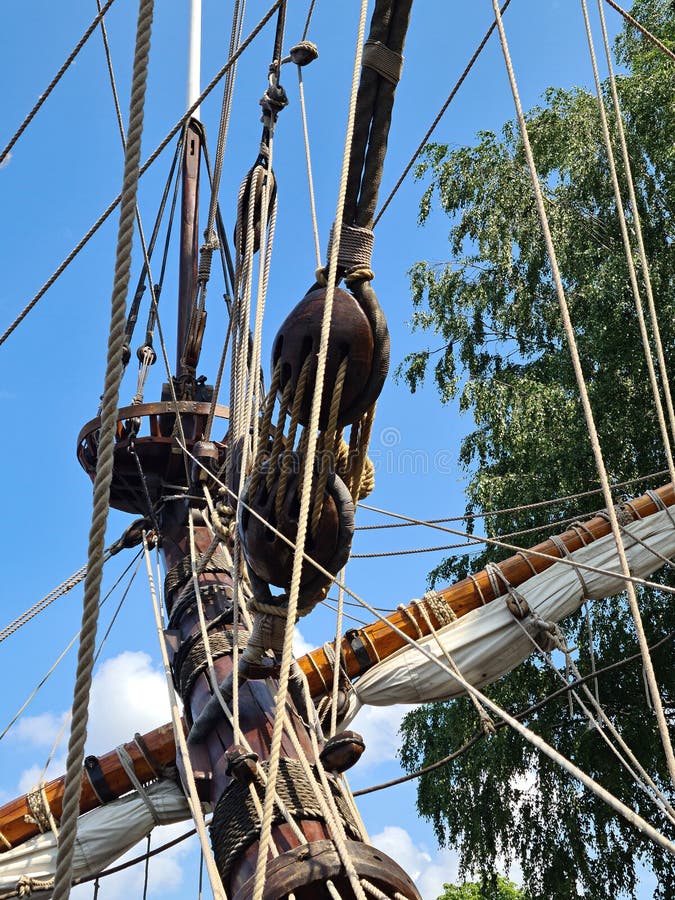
[
  {"x": 488, "y": 642},
  {"x": 103, "y": 835}
]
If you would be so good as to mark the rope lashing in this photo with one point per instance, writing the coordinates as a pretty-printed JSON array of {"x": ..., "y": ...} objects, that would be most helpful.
[
  {"x": 386, "y": 62},
  {"x": 40, "y": 811}
]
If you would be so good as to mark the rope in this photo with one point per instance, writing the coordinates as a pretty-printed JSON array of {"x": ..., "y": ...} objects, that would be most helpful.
[
  {"x": 425, "y": 140},
  {"x": 148, "y": 355},
  {"x": 64, "y": 652},
  {"x": 143, "y": 169},
  {"x": 628, "y": 249},
  {"x": 308, "y": 162},
  {"x": 585, "y": 402},
  {"x": 73, "y": 780},
  {"x": 467, "y": 745},
  {"x": 486, "y": 723},
  {"x": 303, "y": 516},
  {"x": 635, "y": 212},
  {"x": 42, "y": 604},
  {"x": 641, "y": 28},
  {"x": 226, "y": 109},
  {"x": 337, "y": 652},
  {"x": 55, "y": 80},
  {"x": 127, "y": 764},
  {"x": 532, "y": 738},
  {"x": 559, "y": 644}
]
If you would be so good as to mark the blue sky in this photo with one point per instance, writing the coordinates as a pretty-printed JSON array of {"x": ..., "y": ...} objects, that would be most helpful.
[{"x": 64, "y": 171}]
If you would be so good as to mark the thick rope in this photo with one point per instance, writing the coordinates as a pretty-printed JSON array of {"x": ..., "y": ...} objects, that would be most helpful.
[
  {"x": 104, "y": 469},
  {"x": 628, "y": 250},
  {"x": 309, "y": 459},
  {"x": 585, "y": 402}
]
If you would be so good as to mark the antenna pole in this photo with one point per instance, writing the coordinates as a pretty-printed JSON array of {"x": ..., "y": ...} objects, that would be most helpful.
[{"x": 194, "y": 55}]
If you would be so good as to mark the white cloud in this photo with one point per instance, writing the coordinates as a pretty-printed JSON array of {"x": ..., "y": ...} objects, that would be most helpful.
[
  {"x": 300, "y": 644},
  {"x": 127, "y": 695},
  {"x": 428, "y": 871},
  {"x": 379, "y": 727},
  {"x": 40, "y": 731}
]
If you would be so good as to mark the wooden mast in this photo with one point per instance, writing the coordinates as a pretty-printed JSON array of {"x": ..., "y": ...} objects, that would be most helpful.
[{"x": 224, "y": 772}]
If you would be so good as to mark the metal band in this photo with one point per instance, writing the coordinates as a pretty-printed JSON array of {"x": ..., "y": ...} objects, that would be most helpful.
[
  {"x": 97, "y": 780},
  {"x": 359, "y": 649}
]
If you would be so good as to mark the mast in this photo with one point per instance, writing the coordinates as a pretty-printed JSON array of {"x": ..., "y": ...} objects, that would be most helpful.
[{"x": 231, "y": 774}]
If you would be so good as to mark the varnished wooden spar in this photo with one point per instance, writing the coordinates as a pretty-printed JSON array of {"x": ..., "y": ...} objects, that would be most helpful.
[
  {"x": 161, "y": 749},
  {"x": 461, "y": 597},
  {"x": 378, "y": 641}
]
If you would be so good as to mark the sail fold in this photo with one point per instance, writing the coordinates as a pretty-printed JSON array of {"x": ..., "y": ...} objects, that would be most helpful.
[
  {"x": 103, "y": 835},
  {"x": 488, "y": 642}
]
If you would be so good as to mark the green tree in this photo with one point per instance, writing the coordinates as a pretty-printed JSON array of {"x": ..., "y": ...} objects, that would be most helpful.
[
  {"x": 496, "y": 888},
  {"x": 494, "y": 310}
]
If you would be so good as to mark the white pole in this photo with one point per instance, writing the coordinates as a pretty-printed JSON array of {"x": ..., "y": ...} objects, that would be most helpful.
[{"x": 194, "y": 55}]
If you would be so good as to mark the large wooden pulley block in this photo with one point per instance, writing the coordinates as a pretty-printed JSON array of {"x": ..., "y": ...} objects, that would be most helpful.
[
  {"x": 351, "y": 336},
  {"x": 268, "y": 556}
]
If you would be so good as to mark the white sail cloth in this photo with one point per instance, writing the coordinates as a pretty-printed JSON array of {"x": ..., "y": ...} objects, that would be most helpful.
[
  {"x": 103, "y": 835},
  {"x": 488, "y": 642}
]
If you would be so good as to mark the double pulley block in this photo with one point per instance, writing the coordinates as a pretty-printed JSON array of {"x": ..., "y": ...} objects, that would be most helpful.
[{"x": 356, "y": 365}]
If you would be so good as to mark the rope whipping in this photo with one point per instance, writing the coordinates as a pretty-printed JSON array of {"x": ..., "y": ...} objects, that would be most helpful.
[{"x": 73, "y": 780}]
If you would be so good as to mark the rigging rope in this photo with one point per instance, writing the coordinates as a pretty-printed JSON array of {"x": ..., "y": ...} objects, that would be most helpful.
[
  {"x": 535, "y": 707},
  {"x": 143, "y": 169},
  {"x": 73, "y": 782},
  {"x": 308, "y": 468},
  {"x": 179, "y": 736},
  {"x": 451, "y": 96},
  {"x": 629, "y": 254},
  {"x": 55, "y": 80},
  {"x": 641, "y": 28},
  {"x": 585, "y": 402},
  {"x": 637, "y": 223}
]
